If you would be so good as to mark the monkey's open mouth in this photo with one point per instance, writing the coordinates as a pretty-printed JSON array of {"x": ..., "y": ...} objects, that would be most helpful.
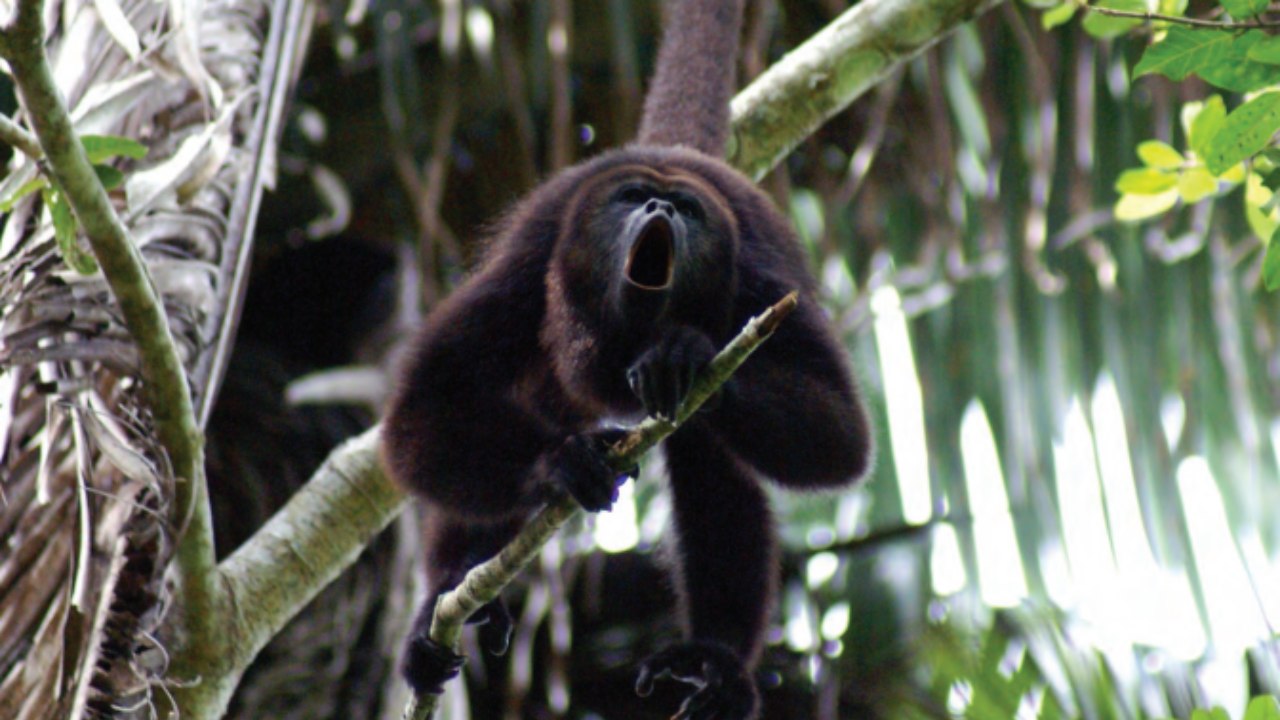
[{"x": 651, "y": 262}]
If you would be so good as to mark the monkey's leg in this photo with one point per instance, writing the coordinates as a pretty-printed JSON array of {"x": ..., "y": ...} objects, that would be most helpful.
[{"x": 727, "y": 567}]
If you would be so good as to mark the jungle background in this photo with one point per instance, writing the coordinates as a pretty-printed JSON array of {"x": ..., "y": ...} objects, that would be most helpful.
[{"x": 1072, "y": 514}]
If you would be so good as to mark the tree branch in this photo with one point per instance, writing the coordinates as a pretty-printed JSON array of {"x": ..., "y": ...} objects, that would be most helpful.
[
  {"x": 485, "y": 581},
  {"x": 309, "y": 542},
  {"x": 16, "y": 137},
  {"x": 818, "y": 79}
]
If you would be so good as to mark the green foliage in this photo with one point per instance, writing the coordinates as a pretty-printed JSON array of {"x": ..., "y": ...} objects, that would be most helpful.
[
  {"x": 1059, "y": 15},
  {"x": 1205, "y": 121},
  {"x": 1224, "y": 149},
  {"x": 1266, "y": 51},
  {"x": 1246, "y": 131},
  {"x": 64, "y": 229},
  {"x": 996, "y": 680},
  {"x": 1168, "y": 175},
  {"x": 33, "y": 185},
  {"x": 100, "y": 149},
  {"x": 1000, "y": 672},
  {"x": 1264, "y": 707},
  {"x": 1244, "y": 9},
  {"x": 1104, "y": 26},
  {"x": 1219, "y": 57}
]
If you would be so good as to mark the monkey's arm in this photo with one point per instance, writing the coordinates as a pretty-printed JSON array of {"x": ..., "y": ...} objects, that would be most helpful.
[
  {"x": 455, "y": 431},
  {"x": 479, "y": 426},
  {"x": 793, "y": 411}
]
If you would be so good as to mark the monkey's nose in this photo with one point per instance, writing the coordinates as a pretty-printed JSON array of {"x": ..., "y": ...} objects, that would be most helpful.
[{"x": 654, "y": 206}]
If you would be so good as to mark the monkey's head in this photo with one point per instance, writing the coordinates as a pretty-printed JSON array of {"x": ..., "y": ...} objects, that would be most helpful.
[{"x": 645, "y": 239}]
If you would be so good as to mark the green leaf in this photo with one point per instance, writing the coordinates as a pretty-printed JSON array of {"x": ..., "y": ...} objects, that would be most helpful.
[
  {"x": 1059, "y": 15},
  {"x": 1157, "y": 154},
  {"x": 64, "y": 230},
  {"x": 1196, "y": 184},
  {"x": 30, "y": 186},
  {"x": 1266, "y": 51},
  {"x": 110, "y": 177},
  {"x": 1257, "y": 198},
  {"x": 1102, "y": 26},
  {"x": 1220, "y": 57},
  {"x": 1244, "y": 9},
  {"x": 101, "y": 148},
  {"x": 1207, "y": 123},
  {"x": 1265, "y": 707},
  {"x": 1182, "y": 52},
  {"x": 1214, "y": 714},
  {"x": 1145, "y": 181},
  {"x": 1245, "y": 131},
  {"x": 1236, "y": 72},
  {"x": 1271, "y": 180},
  {"x": 1131, "y": 208}
]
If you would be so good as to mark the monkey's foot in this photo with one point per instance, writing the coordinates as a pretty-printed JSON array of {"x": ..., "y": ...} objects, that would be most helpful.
[
  {"x": 493, "y": 622},
  {"x": 723, "y": 689},
  {"x": 428, "y": 665}
]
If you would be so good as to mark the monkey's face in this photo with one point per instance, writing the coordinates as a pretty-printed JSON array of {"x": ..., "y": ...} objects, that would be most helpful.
[{"x": 645, "y": 231}]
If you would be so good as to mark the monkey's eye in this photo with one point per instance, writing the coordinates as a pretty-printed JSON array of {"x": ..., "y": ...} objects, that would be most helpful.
[
  {"x": 632, "y": 195},
  {"x": 688, "y": 207}
]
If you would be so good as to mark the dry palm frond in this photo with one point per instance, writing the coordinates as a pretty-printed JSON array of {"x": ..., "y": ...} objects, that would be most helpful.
[{"x": 84, "y": 487}]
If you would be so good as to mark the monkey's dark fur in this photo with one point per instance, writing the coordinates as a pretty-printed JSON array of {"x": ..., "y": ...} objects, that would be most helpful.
[{"x": 606, "y": 290}]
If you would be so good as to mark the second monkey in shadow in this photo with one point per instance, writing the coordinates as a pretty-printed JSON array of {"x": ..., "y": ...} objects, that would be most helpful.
[{"x": 604, "y": 293}]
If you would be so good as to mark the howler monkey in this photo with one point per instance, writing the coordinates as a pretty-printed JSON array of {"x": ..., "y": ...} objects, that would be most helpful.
[{"x": 603, "y": 295}]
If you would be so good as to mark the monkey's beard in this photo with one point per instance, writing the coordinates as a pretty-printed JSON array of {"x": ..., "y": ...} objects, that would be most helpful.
[{"x": 651, "y": 260}]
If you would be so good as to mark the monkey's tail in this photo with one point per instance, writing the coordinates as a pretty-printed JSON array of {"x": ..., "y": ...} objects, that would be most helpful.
[{"x": 688, "y": 100}]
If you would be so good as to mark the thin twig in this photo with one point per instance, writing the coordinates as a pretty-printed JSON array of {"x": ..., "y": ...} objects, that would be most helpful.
[
  {"x": 15, "y": 136},
  {"x": 485, "y": 581},
  {"x": 1253, "y": 24},
  {"x": 558, "y": 41}
]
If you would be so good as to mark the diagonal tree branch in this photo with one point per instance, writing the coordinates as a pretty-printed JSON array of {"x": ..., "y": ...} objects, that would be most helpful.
[
  {"x": 485, "y": 581},
  {"x": 833, "y": 68},
  {"x": 15, "y": 136}
]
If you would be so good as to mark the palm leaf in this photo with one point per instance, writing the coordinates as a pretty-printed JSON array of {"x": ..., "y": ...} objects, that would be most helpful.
[{"x": 84, "y": 485}]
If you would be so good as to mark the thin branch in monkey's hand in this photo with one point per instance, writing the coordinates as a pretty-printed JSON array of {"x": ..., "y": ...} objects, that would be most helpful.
[{"x": 485, "y": 581}]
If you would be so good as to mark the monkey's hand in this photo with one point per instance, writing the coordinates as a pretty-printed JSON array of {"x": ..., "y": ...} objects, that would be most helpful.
[
  {"x": 723, "y": 689},
  {"x": 663, "y": 374},
  {"x": 581, "y": 467}
]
